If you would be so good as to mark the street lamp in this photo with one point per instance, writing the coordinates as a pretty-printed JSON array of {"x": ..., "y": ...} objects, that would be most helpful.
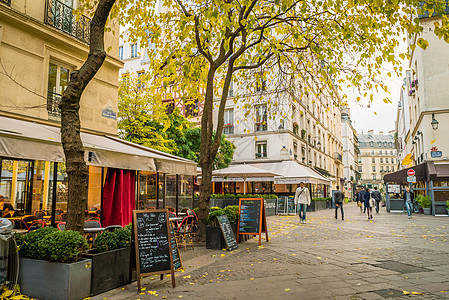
[{"x": 434, "y": 122}]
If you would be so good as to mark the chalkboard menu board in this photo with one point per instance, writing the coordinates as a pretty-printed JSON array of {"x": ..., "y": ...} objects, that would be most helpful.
[
  {"x": 228, "y": 234},
  {"x": 174, "y": 249},
  {"x": 152, "y": 234},
  {"x": 249, "y": 215},
  {"x": 291, "y": 206},
  {"x": 252, "y": 220}
]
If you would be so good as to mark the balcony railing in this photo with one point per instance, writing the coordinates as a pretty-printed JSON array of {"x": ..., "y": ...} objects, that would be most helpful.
[
  {"x": 338, "y": 156},
  {"x": 7, "y": 2},
  {"x": 60, "y": 16},
  {"x": 53, "y": 101}
]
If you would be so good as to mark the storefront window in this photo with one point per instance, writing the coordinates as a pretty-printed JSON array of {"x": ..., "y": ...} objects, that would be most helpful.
[
  {"x": 441, "y": 184},
  {"x": 61, "y": 191},
  {"x": 228, "y": 187},
  {"x": 147, "y": 190},
  {"x": 263, "y": 187},
  {"x": 170, "y": 190},
  {"x": 185, "y": 192},
  {"x": 161, "y": 187},
  {"x": 94, "y": 190}
]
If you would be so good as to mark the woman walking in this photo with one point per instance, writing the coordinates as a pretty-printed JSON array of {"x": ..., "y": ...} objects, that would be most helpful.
[{"x": 369, "y": 208}]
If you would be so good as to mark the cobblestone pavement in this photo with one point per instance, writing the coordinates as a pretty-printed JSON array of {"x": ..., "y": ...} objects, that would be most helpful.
[{"x": 390, "y": 257}]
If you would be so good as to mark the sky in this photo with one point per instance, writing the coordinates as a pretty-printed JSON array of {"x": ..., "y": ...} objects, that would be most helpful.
[{"x": 364, "y": 118}]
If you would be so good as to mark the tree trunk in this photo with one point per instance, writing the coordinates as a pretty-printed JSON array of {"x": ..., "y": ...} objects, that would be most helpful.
[
  {"x": 77, "y": 170},
  {"x": 204, "y": 201}
]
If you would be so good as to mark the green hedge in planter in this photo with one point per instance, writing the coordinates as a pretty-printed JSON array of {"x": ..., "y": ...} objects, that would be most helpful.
[
  {"x": 424, "y": 201},
  {"x": 111, "y": 240},
  {"x": 50, "y": 244},
  {"x": 231, "y": 211}
]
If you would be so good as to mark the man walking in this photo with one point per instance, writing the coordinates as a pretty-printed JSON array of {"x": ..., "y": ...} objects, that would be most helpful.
[
  {"x": 302, "y": 200},
  {"x": 377, "y": 197},
  {"x": 409, "y": 198},
  {"x": 339, "y": 197},
  {"x": 360, "y": 200}
]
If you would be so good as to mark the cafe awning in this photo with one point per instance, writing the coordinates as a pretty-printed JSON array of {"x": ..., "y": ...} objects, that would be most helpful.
[
  {"x": 33, "y": 141},
  {"x": 424, "y": 172},
  {"x": 291, "y": 172}
]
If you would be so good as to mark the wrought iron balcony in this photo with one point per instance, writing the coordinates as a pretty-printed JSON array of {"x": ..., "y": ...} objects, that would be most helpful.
[
  {"x": 53, "y": 101},
  {"x": 7, "y": 2},
  {"x": 60, "y": 16},
  {"x": 338, "y": 156}
]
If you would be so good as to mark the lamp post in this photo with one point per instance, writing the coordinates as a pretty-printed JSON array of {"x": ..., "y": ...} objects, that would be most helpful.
[{"x": 434, "y": 122}]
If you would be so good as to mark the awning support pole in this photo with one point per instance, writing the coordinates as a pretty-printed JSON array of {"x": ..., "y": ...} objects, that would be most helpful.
[
  {"x": 53, "y": 196},
  {"x": 177, "y": 193}
]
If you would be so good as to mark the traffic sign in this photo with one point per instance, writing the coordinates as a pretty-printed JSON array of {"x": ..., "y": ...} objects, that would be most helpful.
[
  {"x": 411, "y": 172},
  {"x": 411, "y": 179}
]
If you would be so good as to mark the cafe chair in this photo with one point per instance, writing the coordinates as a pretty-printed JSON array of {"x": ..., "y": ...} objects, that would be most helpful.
[
  {"x": 191, "y": 212},
  {"x": 61, "y": 226},
  {"x": 184, "y": 234},
  {"x": 36, "y": 225},
  {"x": 63, "y": 217},
  {"x": 58, "y": 212},
  {"x": 40, "y": 214},
  {"x": 92, "y": 224}
]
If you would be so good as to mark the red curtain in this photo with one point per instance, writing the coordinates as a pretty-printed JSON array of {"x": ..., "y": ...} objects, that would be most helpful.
[{"x": 118, "y": 197}]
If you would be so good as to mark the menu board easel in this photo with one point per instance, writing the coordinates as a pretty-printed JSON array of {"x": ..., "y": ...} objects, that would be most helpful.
[
  {"x": 155, "y": 245},
  {"x": 252, "y": 218}
]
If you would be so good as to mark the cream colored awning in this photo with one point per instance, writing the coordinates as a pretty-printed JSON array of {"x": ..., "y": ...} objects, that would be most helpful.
[{"x": 33, "y": 141}]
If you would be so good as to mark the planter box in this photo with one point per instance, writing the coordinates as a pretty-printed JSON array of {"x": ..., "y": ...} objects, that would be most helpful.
[
  {"x": 110, "y": 269},
  {"x": 317, "y": 205},
  {"x": 55, "y": 281},
  {"x": 426, "y": 211}
]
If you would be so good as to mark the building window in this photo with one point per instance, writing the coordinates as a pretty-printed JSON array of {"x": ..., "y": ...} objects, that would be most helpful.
[
  {"x": 392, "y": 169},
  {"x": 385, "y": 144},
  {"x": 191, "y": 109},
  {"x": 360, "y": 168},
  {"x": 388, "y": 168},
  {"x": 371, "y": 144},
  {"x": 120, "y": 52},
  {"x": 386, "y": 160},
  {"x": 373, "y": 160},
  {"x": 228, "y": 126},
  {"x": 381, "y": 168},
  {"x": 295, "y": 150},
  {"x": 391, "y": 153},
  {"x": 261, "y": 149},
  {"x": 374, "y": 168},
  {"x": 231, "y": 89},
  {"x": 58, "y": 78},
  {"x": 374, "y": 176},
  {"x": 379, "y": 144},
  {"x": 169, "y": 107},
  {"x": 139, "y": 79},
  {"x": 261, "y": 85},
  {"x": 134, "y": 50},
  {"x": 372, "y": 152},
  {"x": 261, "y": 118},
  {"x": 390, "y": 144}
]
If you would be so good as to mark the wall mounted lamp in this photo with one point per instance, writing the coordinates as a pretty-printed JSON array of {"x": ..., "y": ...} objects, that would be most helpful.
[{"x": 434, "y": 122}]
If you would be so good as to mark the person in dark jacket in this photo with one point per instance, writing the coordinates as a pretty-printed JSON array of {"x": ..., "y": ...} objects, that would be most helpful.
[
  {"x": 369, "y": 209},
  {"x": 377, "y": 197},
  {"x": 339, "y": 197},
  {"x": 409, "y": 198},
  {"x": 361, "y": 199}
]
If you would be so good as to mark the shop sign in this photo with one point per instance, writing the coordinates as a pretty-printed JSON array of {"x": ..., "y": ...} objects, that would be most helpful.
[
  {"x": 109, "y": 113},
  {"x": 411, "y": 179},
  {"x": 436, "y": 154},
  {"x": 394, "y": 188}
]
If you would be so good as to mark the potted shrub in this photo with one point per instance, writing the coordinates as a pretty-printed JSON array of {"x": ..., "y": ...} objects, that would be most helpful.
[
  {"x": 110, "y": 260},
  {"x": 424, "y": 202},
  {"x": 50, "y": 258},
  {"x": 214, "y": 237}
]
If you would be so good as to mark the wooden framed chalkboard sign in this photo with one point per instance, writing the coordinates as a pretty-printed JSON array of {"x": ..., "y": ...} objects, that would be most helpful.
[
  {"x": 228, "y": 234},
  {"x": 252, "y": 219},
  {"x": 155, "y": 245}
]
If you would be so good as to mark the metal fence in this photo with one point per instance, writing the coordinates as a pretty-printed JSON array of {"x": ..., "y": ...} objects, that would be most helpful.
[{"x": 60, "y": 16}]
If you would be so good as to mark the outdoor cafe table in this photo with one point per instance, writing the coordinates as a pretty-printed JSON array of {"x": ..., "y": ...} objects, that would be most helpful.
[
  {"x": 176, "y": 219},
  {"x": 93, "y": 231}
]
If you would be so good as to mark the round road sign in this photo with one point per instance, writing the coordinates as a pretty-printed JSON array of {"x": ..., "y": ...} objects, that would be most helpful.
[{"x": 411, "y": 172}]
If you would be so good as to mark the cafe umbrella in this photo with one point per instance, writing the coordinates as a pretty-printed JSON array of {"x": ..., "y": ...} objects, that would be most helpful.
[{"x": 244, "y": 172}]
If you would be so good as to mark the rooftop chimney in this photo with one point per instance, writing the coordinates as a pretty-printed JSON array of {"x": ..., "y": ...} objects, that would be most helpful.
[
  {"x": 381, "y": 133},
  {"x": 371, "y": 132}
]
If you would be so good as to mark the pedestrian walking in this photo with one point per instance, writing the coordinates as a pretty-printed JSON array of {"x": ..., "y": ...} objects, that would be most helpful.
[
  {"x": 360, "y": 200},
  {"x": 409, "y": 198},
  {"x": 339, "y": 197},
  {"x": 367, "y": 198},
  {"x": 377, "y": 197},
  {"x": 302, "y": 200}
]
